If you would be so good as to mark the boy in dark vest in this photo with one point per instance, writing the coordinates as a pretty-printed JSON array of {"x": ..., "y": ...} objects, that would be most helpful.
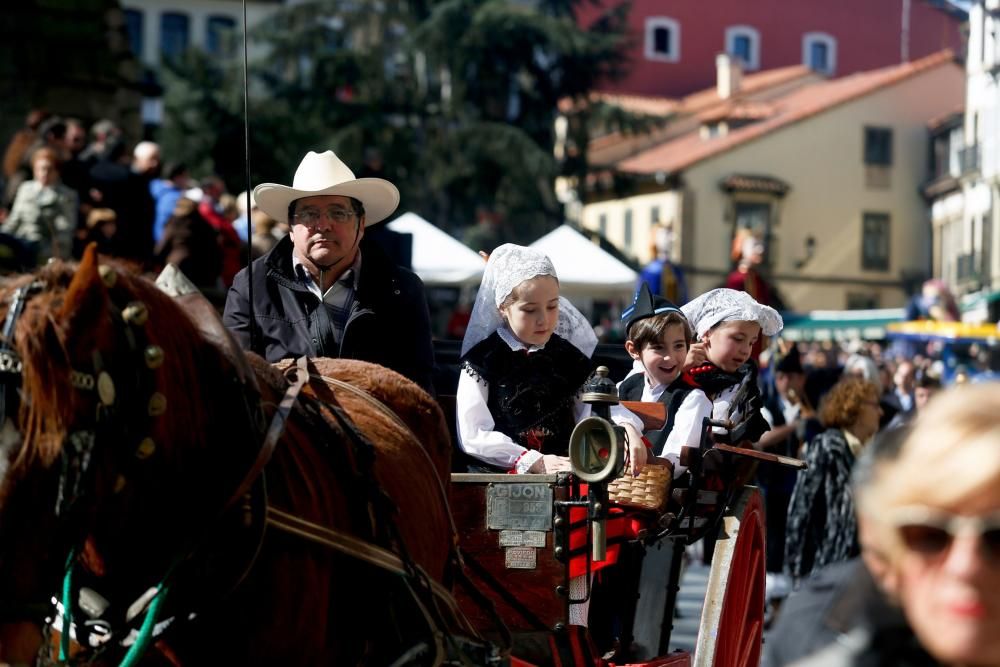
[{"x": 658, "y": 339}]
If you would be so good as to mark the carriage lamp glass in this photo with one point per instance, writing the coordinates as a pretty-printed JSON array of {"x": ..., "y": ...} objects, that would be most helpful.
[{"x": 595, "y": 450}]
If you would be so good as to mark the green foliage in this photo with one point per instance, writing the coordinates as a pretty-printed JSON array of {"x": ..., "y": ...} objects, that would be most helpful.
[{"x": 458, "y": 96}]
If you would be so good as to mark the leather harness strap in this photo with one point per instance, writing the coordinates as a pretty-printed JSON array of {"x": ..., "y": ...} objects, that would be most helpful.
[{"x": 274, "y": 433}]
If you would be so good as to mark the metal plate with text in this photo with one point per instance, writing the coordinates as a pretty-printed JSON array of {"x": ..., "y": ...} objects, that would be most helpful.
[
  {"x": 519, "y": 506},
  {"x": 520, "y": 558},
  {"x": 522, "y": 538}
]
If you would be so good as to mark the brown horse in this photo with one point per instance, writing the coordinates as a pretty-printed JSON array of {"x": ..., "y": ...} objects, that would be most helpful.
[{"x": 132, "y": 470}]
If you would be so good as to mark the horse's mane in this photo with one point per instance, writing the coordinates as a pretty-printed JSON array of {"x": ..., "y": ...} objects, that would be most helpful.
[{"x": 63, "y": 326}]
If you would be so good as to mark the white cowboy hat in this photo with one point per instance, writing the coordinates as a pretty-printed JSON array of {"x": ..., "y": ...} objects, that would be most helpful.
[{"x": 326, "y": 174}]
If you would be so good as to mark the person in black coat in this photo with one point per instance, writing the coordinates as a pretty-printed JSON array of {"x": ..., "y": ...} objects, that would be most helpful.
[
  {"x": 822, "y": 528},
  {"x": 323, "y": 292}
]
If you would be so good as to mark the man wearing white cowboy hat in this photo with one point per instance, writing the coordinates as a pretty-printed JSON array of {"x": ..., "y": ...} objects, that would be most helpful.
[{"x": 321, "y": 292}]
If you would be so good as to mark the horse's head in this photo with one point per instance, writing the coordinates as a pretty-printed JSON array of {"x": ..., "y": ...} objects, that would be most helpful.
[{"x": 116, "y": 424}]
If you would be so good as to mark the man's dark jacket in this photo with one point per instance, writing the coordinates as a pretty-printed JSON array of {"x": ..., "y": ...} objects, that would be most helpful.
[{"x": 389, "y": 322}]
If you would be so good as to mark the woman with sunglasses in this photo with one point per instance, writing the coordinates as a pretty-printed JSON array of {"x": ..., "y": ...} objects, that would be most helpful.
[
  {"x": 822, "y": 527},
  {"x": 939, "y": 504}
]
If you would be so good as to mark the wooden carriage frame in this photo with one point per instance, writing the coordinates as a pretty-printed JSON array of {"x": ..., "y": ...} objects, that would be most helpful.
[{"x": 523, "y": 566}]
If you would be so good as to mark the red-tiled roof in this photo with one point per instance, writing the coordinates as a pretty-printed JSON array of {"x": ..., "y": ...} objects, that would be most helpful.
[
  {"x": 739, "y": 110},
  {"x": 802, "y": 103},
  {"x": 703, "y": 101}
]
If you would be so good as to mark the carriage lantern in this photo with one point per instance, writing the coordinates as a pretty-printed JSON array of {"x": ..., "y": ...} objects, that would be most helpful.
[{"x": 597, "y": 453}]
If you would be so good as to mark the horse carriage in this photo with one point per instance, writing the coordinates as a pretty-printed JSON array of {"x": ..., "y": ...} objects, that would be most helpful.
[
  {"x": 518, "y": 535},
  {"x": 166, "y": 499}
]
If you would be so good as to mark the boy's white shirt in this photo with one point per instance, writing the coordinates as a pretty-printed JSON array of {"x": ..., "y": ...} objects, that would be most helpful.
[
  {"x": 476, "y": 427},
  {"x": 650, "y": 394}
]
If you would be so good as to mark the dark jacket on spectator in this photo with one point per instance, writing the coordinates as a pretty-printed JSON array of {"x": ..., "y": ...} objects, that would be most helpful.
[
  {"x": 822, "y": 527},
  {"x": 389, "y": 322},
  {"x": 192, "y": 244}
]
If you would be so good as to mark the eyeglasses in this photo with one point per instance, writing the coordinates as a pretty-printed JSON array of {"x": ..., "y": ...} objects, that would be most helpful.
[
  {"x": 310, "y": 217},
  {"x": 930, "y": 532}
]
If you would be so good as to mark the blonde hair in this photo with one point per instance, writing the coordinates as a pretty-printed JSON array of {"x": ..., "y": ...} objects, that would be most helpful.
[{"x": 951, "y": 454}]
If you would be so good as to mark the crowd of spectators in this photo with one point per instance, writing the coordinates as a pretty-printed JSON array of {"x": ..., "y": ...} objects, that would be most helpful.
[{"x": 65, "y": 185}]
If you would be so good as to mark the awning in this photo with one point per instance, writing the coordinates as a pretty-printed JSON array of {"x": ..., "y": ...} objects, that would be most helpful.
[
  {"x": 949, "y": 331},
  {"x": 840, "y": 325}
]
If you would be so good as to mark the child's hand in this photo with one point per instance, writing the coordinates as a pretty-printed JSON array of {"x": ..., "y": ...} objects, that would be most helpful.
[
  {"x": 550, "y": 464},
  {"x": 696, "y": 356},
  {"x": 636, "y": 450}
]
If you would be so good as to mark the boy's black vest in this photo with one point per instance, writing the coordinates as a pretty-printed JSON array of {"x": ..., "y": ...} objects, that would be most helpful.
[
  {"x": 708, "y": 377},
  {"x": 531, "y": 396}
]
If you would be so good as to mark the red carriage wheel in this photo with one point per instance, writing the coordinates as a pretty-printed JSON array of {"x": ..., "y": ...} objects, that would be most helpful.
[{"x": 732, "y": 623}]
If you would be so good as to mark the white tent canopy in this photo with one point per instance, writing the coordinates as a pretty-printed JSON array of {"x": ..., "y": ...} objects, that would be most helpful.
[
  {"x": 584, "y": 269},
  {"x": 438, "y": 258}
]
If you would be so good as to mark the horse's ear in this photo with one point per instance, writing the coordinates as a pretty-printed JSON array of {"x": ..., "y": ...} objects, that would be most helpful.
[{"x": 88, "y": 288}]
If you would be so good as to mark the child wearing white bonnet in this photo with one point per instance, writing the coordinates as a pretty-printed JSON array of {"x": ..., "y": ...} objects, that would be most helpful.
[{"x": 728, "y": 323}]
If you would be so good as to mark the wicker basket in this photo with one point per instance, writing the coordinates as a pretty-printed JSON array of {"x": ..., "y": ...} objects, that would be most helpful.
[{"x": 649, "y": 491}]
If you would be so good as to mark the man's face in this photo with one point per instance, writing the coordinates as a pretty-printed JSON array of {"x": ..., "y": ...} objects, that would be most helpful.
[
  {"x": 147, "y": 161},
  {"x": 904, "y": 377},
  {"x": 784, "y": 381},
  {"x": 921, "y": 395},
  {"x": 76, "y": 138},
  {"x": 326, "y": 232}
]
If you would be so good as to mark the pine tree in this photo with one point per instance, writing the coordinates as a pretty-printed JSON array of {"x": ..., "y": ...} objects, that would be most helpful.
[{"x": 459, "y": 98}]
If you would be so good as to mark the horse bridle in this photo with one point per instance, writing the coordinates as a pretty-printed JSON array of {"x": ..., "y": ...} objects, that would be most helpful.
[{"x": 109, "y": 424}]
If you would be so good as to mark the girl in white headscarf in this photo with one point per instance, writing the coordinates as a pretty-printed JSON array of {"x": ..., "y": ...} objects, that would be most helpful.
[
  {"x": 525, "y": 357},
  {"x": 727, "y": 323}
]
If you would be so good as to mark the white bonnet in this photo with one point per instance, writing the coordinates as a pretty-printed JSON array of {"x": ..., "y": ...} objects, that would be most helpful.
[
  {"x": 728, "y": 305},
  {"x": 509, "y": 266}
]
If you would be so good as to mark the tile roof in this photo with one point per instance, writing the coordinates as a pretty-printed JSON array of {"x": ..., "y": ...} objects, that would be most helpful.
[
  {"x": 802, "y": 103},
  {"x": 703, "y": 101}
]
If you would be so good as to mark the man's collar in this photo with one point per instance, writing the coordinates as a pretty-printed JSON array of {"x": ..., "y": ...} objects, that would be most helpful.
[{"x": 348, "y": 277}]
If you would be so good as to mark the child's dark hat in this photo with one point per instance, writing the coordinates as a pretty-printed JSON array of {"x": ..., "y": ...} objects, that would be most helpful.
[
  {"x": 791, "y": 362},
  {"x": 646, "y": 304}
]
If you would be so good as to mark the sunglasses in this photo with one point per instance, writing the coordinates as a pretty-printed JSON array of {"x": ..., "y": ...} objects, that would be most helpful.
[{"x": 930, "y": 532}]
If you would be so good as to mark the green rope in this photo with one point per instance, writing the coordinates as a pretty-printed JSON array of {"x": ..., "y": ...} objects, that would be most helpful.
[
  {"x": 138, "y": 648},
  {"x": 67, "y": 602}
]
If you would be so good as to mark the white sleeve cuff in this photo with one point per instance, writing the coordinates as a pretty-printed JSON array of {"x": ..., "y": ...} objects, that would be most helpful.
[{"x": 526, "y": 460}]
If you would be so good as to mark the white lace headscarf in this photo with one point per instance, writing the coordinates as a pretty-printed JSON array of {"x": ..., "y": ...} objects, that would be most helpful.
[
  {"x": 509, "y": 266},
  {"x": 729, "y": 305}
]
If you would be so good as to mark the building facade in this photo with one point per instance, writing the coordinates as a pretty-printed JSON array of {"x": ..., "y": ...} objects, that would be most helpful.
[
  {"x": 164, "y": 29},
  {"x": 675, "y": 41},
  {"x": 827, "y": 177},
  {"x": 964, "y": 192}
]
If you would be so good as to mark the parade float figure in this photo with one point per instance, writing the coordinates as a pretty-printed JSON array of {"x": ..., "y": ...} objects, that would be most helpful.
[
  {"x": 134, "y": 456},
  {"x": 664, "y": 278},
  {"x": 748, "y": 253},
  {"x": 935, "y": 302}
]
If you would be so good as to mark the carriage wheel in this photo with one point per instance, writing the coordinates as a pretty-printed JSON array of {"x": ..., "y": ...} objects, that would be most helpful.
[{"x": 732, "y": 623}]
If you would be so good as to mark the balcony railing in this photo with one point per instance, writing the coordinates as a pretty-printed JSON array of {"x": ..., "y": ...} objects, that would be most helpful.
[{"x": 968, "y": 158}]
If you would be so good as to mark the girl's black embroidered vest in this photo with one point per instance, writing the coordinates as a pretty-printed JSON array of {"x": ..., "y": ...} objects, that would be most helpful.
[{"x": 531, "y": 396}]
